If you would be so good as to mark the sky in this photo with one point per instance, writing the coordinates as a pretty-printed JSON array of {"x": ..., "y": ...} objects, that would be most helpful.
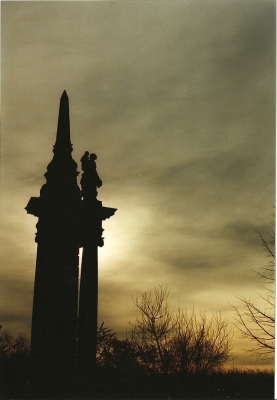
[{"x": 177, "y": 99}]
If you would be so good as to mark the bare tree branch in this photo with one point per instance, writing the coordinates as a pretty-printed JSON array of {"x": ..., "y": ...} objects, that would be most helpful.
[
  {"x": 256, "y": 324},
  {"x": 182, "y": 342}
]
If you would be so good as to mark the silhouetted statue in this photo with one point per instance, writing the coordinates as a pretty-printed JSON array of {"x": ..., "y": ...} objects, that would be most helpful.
[
  {"x": 90, "y": 179},
  {"x": 92, "y": 215}
]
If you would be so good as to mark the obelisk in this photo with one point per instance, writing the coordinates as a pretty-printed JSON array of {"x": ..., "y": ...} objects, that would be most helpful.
[{"x": 54, "y": 319}]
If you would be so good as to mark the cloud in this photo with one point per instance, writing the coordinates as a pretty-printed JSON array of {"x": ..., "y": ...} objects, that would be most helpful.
[{"x": 16, "y": 300}]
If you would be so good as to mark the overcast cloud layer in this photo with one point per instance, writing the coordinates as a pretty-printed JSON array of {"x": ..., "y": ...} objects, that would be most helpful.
[{"x": 177, "y": 99}]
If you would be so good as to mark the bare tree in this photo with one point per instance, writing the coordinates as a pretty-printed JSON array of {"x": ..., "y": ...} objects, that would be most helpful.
[
  {"x": 11, "y": 345},
  {"x": 256, "y": 323},
  {"x": 115, "y": 354},
  {"x": 105, "y": 341},
  {"x": 178, "y": 343},
  {"x": 152, "y": 329},
  {"x": 200, "y": 345}
]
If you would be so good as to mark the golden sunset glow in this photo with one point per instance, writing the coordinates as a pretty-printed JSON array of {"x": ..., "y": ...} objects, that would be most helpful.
[{"x": 177, "y": 100}]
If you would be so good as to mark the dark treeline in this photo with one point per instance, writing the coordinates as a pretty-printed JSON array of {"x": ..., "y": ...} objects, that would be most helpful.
[{"x": 120, "y": 373}]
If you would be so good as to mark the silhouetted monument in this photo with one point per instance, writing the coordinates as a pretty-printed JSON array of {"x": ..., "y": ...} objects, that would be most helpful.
[
  {"x": 68, "y": 218},
  {"x": 92, "y": 215}
]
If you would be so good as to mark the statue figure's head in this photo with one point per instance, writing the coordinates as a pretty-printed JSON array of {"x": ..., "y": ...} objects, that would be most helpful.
[{"x": 93, "y": 156}]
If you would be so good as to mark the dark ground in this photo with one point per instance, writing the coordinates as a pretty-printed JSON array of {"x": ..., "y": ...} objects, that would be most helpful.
[{"x": 17, "y": 383}]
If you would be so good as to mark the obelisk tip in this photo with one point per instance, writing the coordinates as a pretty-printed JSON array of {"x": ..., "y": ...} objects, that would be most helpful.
[{"x": 63, "y": 130}]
